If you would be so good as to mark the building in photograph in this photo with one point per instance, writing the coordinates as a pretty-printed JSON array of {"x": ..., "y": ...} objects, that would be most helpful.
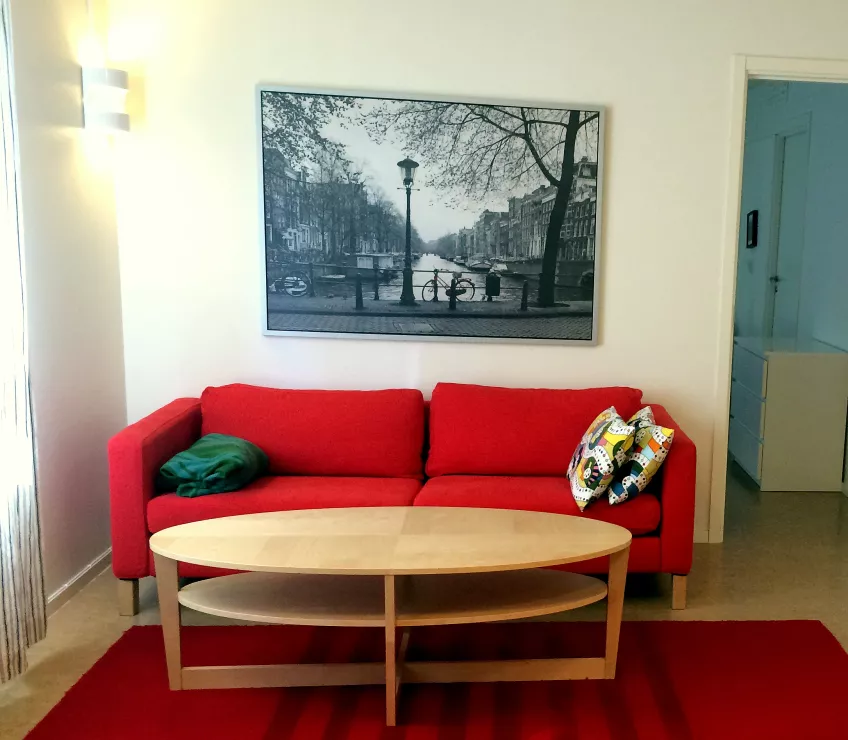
[
  {"x": 586, "y": 177},
  {"x": 529, "y": 216},
  {"x": 308, "y": 218},
  {"x": 488, "y": 239},
  {"x": 580, "y": 227},
  {"x": 528, "y": 221},
  {"x": 287, "y": 216},
  {"x": 503, "y": 235},
  {"x": 465, "y": 242}
]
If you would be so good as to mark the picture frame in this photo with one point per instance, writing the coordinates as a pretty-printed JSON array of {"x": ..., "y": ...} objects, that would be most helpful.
[{"x": 318, "y": 284}]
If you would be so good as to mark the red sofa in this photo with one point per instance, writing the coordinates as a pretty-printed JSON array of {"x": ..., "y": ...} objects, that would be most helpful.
[{"x": 471, "y": 445}]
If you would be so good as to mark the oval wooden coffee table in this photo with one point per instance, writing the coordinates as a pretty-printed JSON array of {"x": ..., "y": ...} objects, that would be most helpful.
[{"x": 391, "y": 567}]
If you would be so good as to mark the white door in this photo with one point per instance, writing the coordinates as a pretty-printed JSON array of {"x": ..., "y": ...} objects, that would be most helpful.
[{"x": 787, "y": 256}]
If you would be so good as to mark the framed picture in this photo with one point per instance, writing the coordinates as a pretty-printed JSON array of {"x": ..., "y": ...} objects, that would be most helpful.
[
  {"x": 444, "y": 219},
  {"x": 752, "y": 230}
]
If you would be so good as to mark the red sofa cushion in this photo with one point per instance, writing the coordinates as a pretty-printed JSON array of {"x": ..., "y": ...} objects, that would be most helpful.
[
  {"x": 305, "y": 432},
  {"x": 483, "y": 430},
  {"x": 639, "y": 515},
  {"x": 281, "y": 493}
]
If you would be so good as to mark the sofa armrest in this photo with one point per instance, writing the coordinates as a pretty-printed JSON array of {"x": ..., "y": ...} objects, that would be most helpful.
[
  {"x": 677, "y": 497},
  {"x": 135, "y": 456}
]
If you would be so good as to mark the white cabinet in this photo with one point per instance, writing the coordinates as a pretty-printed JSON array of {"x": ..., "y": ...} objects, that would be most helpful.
[{"x": 788, "y": 412}]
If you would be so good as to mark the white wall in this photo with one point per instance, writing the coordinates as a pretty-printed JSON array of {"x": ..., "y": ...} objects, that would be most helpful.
[
  {"x": 73, "y": 289},
  {"x": 775, "y": 107},
  {"x": 188, "y": 195}
]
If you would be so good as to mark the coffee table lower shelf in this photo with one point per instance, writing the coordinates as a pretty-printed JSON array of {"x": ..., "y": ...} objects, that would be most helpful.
[{"x": 396, "y": 604}]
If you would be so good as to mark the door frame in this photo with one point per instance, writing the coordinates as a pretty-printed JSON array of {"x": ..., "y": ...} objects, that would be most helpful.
[
  {"x": 744, "y": 68},
  {"x": 799, "y": 125}
]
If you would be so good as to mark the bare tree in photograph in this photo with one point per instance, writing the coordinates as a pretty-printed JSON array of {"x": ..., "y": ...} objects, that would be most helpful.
[
  {"x": 292, "y": 125},
  {"x": 477, "y": 150},
  {"x": 328, "y": 168}
]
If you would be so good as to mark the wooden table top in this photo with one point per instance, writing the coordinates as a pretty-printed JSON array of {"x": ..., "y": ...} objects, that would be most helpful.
[{"x": 390, "y": 540}]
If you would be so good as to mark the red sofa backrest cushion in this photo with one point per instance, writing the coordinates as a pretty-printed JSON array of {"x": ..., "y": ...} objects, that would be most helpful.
[
  {"x": 482, "y": 430},
  {"x": 312, "y": 432}
]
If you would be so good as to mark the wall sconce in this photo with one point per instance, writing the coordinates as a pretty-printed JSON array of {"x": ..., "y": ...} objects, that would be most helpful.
[{"x": 104, "y": 92}]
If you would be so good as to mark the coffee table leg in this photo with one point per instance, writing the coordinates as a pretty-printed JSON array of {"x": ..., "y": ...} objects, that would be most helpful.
[
  {"x": 168, "y": 585},
  {"x": 391, "y": 652},
  {"x": 615, "y": 607}
]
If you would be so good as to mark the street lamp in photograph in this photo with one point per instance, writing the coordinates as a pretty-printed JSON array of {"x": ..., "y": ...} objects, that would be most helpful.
[{"x": 407, "y": 170}]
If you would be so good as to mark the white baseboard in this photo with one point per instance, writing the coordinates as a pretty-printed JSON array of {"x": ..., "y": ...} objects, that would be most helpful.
[
  {"x": 702, "y": 536},
  {"x": 63, "y": 594}
]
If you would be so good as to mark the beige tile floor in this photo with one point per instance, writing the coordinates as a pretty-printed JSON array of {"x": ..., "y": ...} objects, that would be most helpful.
[{"x": 785, "y": 556}]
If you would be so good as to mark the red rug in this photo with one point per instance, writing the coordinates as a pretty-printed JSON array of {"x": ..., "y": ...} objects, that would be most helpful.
[{"x": 676, "y": 680}]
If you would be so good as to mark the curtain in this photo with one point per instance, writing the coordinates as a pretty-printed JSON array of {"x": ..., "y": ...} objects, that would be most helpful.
[{"x": 23, "y": 618}]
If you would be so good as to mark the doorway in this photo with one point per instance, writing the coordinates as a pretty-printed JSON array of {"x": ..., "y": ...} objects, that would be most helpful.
[
  {"x": 790, "y": 268},
  {"x": 771, "y": 249}
]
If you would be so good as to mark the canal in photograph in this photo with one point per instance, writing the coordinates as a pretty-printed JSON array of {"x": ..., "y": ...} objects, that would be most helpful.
[{"x": 423, "y": 269}]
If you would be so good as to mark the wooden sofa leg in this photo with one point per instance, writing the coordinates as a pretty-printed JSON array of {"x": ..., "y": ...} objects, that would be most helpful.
[
  {"x": 128, "y": 597},
  {"x": 678, "y": 592}
]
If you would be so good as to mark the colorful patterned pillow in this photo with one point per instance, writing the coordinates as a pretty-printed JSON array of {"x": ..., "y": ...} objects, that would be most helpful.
[
  {"x": 602, "y": 451},
  {"x": 650, "y": 448}
]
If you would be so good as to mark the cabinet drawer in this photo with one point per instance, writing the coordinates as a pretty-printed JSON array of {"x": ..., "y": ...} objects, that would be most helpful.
[
  {"x": 746, "y": 449},
  {"x": 750, "y": 370},
  {"x": 748, "y": 409}
]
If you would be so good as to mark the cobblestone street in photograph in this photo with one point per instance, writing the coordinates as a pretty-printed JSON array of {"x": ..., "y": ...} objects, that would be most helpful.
[{"x": 574, "y": 327}]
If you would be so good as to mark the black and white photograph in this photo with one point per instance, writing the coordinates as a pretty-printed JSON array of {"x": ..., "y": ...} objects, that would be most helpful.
[{"x": 429, "y": 218}]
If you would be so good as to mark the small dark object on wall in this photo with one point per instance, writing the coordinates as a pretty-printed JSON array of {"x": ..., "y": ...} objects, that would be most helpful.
[{"x": 753, "y": 229}]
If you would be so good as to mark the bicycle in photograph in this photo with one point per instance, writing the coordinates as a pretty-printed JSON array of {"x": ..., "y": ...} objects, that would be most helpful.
[
  {"x": 464, "y": 288},
  {"x": 294, "y": 283}
]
